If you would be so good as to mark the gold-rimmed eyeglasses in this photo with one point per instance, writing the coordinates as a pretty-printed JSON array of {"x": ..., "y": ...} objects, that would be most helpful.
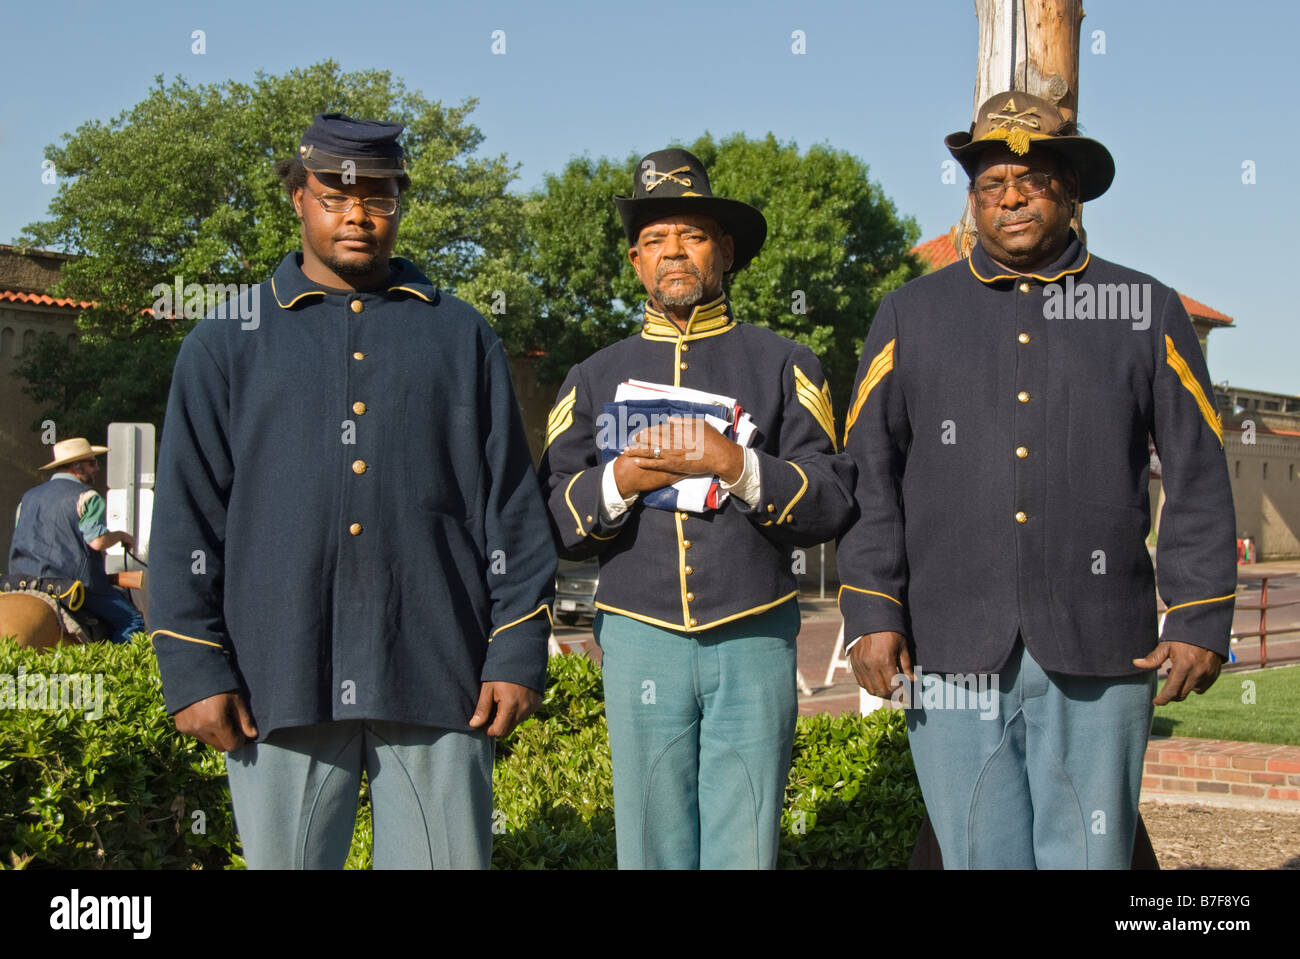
[
  {"x": 339, "y": 203},
  {"x": 990, "y": 193}
]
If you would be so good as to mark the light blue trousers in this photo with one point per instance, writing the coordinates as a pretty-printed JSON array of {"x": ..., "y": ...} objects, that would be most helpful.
[
  {"x": 701, "y": 727},
  {"x": 1051, "y": 780},
  {"x": 295, "y": 796}
]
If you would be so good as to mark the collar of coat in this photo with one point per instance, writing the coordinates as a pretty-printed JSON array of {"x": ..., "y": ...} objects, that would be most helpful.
[
  {"x": 1072, "y": 260},
  {"x": 289, "y": 285},
  {"x": 707, "y": 319}
]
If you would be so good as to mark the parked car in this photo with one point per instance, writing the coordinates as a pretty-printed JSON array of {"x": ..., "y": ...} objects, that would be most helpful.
[{"x": 575, "y": 590}]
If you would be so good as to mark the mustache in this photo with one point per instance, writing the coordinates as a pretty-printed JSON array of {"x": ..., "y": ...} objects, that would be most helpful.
[
  {"x": 1016, "y": 216},
  {"x": 678, "y": 267}
]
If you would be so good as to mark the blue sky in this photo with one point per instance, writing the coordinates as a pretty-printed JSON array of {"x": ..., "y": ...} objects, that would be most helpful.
[{"x": 1184, "y": 94}]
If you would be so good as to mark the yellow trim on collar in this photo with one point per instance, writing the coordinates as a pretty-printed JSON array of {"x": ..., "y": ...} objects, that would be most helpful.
[
  {"x": 815, "y": 401},
  {"x": 707, "y": 319},
  {"x": 544, "y": 606},
  {"x": 869, "y": 592},
  {"x": 1188, "y": 379},
  {"x": 682, "y": 628},
  {"x": 1198, "y": 602},
  {"x": 188, "y": 639},
  {"x": 285, "y": 306},
  {"x": 407, "y": 289},
  {"x": 1037, "y": 276}
]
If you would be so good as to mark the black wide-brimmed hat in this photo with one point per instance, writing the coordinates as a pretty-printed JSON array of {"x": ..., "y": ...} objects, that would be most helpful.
[
  {"x": 1020, "y": 122},
  {"x": 336, "y": 143},
  {"x": 670, "y": 182}
]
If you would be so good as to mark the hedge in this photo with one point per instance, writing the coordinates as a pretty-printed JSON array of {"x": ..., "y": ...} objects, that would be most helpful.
[{"x": 125, "y": 790}]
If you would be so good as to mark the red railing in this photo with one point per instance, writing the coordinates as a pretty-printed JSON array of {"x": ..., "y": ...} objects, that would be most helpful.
[{"x": 1264, "y": 632}]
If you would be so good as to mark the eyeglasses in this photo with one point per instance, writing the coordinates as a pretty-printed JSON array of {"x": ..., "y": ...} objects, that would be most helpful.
[
  {"x": 1031, "y": 184},
  {"x": 338, "y": 203}
]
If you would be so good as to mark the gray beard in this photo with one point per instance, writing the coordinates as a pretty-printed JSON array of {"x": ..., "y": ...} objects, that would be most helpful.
[{"x": 692, "y": 297}]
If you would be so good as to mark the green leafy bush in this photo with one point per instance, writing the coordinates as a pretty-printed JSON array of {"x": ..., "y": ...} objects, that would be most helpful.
[
  {"x": 122, "y": 790},
  {"x": 118, "y": 790}
]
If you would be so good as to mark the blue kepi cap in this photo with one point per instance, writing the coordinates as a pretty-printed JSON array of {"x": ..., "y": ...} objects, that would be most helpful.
[{"x": 367, "y": 147}]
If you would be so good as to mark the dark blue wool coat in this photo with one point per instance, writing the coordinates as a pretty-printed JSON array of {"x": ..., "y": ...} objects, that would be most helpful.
[
  {"x": 347, "y": 522},
  {"x": 1000, "y": 426},
  {"x": 687, "y": 571}
]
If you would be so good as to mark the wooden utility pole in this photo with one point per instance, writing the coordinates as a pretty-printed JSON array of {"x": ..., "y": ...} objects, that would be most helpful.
[{"x": 1029, "y": 45}]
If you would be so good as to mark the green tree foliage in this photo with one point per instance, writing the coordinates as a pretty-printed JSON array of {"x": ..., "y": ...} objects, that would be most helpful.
[
  {"x": 835, "y": 246},
  {"x": 182, "y": 184}
]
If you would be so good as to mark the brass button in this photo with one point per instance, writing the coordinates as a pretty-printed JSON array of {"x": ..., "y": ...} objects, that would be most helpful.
[
  {"x": 689, "y": 571},
  {"x": 690, "y": 597},
  {"x": 1021, "y": 452},
  {"x": 356, "y": 306},
  {"x": 355, "y": 529},
  {"x": 694, "y": 621},
  {"x": 683, "y": 516},
  {"x": 1022, "y": 518},
  {"x": 1022, "y": 396},
  {"x": 358, "y": 355},
  {"x": 1023, "y": 337},
  {"x": 358, "y": 466},
  {"x": 685, "y": 347},
  {"x": 686, "y": 544},
  {"x": 359, "y": 408},
  {"x": 789, "y": 519},
  {"x": 771, "y": 508},
  {"x": 1024, "y": 287},
  {"x": 682, "y": 365},
  {"x": 589, "y": 518}
]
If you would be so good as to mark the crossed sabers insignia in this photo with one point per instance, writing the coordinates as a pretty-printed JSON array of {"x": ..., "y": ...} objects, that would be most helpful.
[
  {"x": 1012, "y": 117},
  {"x": 670, "y": 175}
]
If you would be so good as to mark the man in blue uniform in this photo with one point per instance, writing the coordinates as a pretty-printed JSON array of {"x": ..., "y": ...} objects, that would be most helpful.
[
  {"x": 352, "y": 568},
  {"x": 698, "y": 612},
  {"x": 60, "y": 533},
  {"x": 997, "y": 576}
]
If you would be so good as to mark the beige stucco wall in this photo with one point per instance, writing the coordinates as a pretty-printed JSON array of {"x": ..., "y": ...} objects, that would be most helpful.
[{"x": 1268, "y": 506}]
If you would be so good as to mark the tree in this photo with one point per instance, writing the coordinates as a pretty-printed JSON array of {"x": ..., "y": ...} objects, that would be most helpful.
[
  {"x": 182, "y": 185},
  {"x": 835, "y": 247}
]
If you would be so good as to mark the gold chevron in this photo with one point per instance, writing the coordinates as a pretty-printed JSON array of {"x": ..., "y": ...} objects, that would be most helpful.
[
  {"x": 817, "y": 402},
  {"x": 561, "y": 417},
  {"x": 880, "y": 365},
  {"x": 1188, "y": 379}
]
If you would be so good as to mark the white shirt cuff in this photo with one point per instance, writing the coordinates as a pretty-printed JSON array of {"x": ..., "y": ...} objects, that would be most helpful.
[
  {"x": 612, "y": 503},
  {"x": 749, "y": 485}
]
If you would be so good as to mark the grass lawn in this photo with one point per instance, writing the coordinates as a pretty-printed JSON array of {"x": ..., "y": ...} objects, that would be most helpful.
[{"x": 1267, "y": 713}]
